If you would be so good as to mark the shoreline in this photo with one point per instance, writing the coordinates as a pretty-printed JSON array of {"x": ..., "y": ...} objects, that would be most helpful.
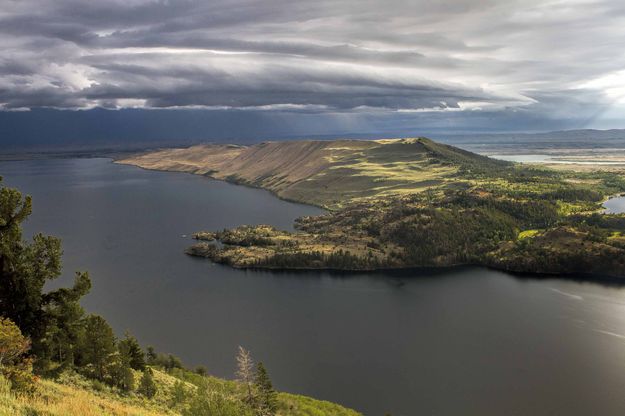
[{"x": 581, "y": 277}]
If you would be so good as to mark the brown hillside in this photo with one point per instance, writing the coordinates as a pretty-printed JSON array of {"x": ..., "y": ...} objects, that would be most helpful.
[{"x": 325, "y": 173}]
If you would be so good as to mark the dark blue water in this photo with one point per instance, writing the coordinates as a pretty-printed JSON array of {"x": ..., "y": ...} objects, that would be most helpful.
[{"x": 463, "y": 342}]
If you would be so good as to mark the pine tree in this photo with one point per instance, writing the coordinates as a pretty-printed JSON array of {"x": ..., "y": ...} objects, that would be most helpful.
[
  {"x": 131, "y": 347},
  {"x": 147, "y": 387},
  {"x": 151, "y": 355},
  {"x": 245, "y": 374},
  {"x": 120, "y": 368},
  {"x": 97, "y": 346},
  {"x": 51, "y": 320},
  {"x": 267, "y": 398}
]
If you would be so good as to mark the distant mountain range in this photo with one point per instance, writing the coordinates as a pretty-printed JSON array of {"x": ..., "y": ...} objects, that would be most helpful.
[{"x": 99, "y": 131}]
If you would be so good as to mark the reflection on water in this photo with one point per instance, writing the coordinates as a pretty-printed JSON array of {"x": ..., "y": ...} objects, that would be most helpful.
[
  {"x": 615, "y": 205},
  {"x": 467, "y": 341}
]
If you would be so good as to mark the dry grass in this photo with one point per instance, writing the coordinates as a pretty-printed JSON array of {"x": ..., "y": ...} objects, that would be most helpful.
[
  {"x": 53, "y": 399},
  {"x": 324, "y": 173}
]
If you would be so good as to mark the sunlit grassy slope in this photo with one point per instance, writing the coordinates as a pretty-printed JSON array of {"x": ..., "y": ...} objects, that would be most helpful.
[
  {"x": 73, "y": 395},
  {"x": 325, "y": 173}
]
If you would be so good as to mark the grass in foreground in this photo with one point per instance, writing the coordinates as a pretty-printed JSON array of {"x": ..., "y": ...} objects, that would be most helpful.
[{"x": 74, "y": 395}]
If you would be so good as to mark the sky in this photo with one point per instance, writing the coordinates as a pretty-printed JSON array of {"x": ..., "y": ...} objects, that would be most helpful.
[{"x": 257, "y": 68}]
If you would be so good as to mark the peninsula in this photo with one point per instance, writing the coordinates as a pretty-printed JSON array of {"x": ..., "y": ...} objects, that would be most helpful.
[{"x": 400, "y": 203}]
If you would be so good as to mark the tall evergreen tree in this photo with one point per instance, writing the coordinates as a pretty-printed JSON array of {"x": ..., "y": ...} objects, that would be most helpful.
[
  {"x": 120, "y": 368},
  {"x": 65, "y": 326},
  {"x": 48, "y": 319},
  {"x": 266, "y": 396},
  {"x": 130, "y": 346},
  {"x": 97, "y": 346}
]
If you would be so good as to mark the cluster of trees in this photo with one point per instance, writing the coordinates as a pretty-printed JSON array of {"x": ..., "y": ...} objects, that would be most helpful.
[
  {"x": 246, "y": 236},
  {"x": 561, "y": 250},
  {"x": 446, "y": 236},
  {"x": 339, "y": 260},
  {"x": 532, "y": 213}
]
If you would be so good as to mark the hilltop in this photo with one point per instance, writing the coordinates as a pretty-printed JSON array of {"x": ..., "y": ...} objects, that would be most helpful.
[{"x": 410, "y": 203}]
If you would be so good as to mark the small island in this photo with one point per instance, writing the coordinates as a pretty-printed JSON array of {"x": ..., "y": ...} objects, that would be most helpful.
[{"x": 406, "y": 203}]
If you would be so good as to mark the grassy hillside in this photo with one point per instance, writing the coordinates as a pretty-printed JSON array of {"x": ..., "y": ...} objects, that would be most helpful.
[
  {"x": 325, "y": 173},
  {"x": 73, "y": 395},
  {"x": 411, "y": 203}
]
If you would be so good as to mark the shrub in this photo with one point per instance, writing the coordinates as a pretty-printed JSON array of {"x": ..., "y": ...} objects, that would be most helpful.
[
  {"x": 216, "y": 404},
  {"x": 13, "y": 364},
  {"x": 147, "y": 387}
]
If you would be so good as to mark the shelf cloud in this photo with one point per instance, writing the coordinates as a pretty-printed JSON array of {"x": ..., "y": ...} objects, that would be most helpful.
[{"x": 538, "y": 58}]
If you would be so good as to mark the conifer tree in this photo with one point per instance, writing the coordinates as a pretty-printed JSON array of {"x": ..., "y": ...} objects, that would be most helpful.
[
  {"x": 97, "y": 346},
  {"x": 120, "y": 369},
  {"x": 151, "y": 355},
  {"x": 267, "y": 398},
  {"x": 130, "y": 346}
]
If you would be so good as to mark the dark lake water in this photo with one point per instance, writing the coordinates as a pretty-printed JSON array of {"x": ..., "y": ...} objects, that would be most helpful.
[{"x": 463, "y": 342}]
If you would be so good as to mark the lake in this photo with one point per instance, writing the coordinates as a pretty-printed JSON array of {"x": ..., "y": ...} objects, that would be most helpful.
[{"x": 466, "y": 341}]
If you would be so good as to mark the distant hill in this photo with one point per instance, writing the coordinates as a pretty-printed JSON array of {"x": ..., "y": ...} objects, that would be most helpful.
[{"x": 324, "y": 173}]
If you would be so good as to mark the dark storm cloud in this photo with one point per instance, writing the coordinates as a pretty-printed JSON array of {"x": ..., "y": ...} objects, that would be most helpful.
[{"x": 498, "y": 57}]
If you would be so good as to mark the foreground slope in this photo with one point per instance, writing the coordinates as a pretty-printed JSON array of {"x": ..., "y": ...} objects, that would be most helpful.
[
  {"x": 74, "y": 395},
  {"x": 411, "y": 203}
]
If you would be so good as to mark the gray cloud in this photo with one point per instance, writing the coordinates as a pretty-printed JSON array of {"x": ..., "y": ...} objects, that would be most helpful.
[{"x": 544, "y": 58}]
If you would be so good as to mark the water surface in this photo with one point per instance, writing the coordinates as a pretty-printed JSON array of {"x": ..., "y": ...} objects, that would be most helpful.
[
  {"x": 615, "y": 205},
  {"x": 462, "y": 342}
]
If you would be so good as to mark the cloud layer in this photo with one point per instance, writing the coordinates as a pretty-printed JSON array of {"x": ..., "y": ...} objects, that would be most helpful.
[{"x": 540, "y": 57}]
